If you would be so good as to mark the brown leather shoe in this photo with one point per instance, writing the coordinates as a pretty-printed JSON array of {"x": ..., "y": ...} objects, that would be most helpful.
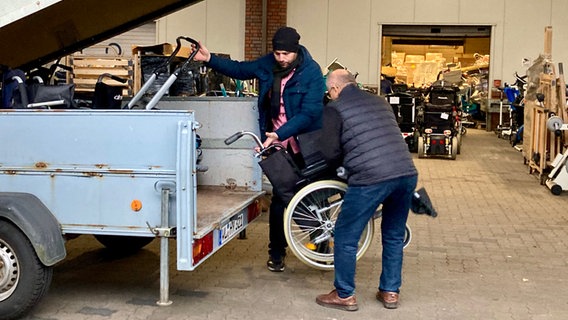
[
  {"x": 388, "y": 298},
  {"x": 332, "y": 300}
]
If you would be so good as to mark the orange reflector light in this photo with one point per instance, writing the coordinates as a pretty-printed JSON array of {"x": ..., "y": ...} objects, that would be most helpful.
[
  {"x": 136, "y": 205},
  {"x": 202, "y": 247},
  {"x": 447, "y": 132},
  {"x": 428, "y": 130}
]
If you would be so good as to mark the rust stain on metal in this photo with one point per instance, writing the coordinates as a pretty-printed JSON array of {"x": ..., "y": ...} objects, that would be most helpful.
[
  {"x": 41, "y": 165},
  {"x": 102, "y": 226},
  {"x": 121, "y": 171},
  {"x": 100, "y": 165},
  {"x": 10, "y": 172},
  {"x": 92, "y": 174}
]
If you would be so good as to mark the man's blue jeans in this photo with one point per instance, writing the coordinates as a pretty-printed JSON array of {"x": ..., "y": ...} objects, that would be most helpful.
[{"x": 359, "y": 205}]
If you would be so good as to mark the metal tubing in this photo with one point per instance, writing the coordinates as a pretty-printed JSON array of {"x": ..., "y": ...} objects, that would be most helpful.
[
  {"x": 163, "y": 89},
  {"x": 142, "y": 91},
  {"x": 164, "y": 253}
]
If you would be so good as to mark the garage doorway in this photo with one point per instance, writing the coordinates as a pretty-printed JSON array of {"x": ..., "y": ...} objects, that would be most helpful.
[{"x": 418, "y": 55}]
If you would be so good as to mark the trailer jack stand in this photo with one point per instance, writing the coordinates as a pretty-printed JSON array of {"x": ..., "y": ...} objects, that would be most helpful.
[{"x": 164, "y": 253}]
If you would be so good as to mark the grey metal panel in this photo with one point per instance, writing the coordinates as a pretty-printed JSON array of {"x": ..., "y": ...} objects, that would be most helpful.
[
  {"x": 92, "y": 141},
  {"x": 219, "y": 118},
  {"x": 92, "y": 205},
  {"x": 87, "y": 166}
]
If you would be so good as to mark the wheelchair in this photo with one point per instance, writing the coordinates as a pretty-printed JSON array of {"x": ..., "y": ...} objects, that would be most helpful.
[
  {"x": 309, "y": 218},
  {"x": 404, "y": 107},
  {"x": 440, "y": 126}
]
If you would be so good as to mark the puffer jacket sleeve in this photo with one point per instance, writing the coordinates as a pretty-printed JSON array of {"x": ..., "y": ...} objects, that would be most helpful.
[{"x": 242, "y": 70}]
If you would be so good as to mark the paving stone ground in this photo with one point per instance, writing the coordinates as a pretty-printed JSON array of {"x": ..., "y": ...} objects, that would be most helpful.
[{"x": 498, "y": 250}]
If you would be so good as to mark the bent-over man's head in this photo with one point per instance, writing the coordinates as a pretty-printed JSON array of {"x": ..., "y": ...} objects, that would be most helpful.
[{"x": 337, "y": 80}]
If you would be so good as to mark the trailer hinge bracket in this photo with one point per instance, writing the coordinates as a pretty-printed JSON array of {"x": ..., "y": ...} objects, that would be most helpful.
[{"x": 162, "y": 232}]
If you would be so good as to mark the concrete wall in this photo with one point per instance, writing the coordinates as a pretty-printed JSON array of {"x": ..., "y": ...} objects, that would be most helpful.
[{"x": 350, "y": 30}]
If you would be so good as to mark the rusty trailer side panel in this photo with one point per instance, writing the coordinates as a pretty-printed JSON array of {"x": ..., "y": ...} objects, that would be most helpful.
[
  {"x": 104, "y": 171},
  {"x": 88, "y": 166}
]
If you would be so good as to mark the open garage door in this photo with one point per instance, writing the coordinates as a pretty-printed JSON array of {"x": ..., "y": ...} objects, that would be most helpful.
[
  {"x": 420, "y": 52},
  {"x": 415, "y": 56}
]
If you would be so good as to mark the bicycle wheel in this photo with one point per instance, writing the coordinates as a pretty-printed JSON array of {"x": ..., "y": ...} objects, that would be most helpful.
[{"x": 309, "y": 222}]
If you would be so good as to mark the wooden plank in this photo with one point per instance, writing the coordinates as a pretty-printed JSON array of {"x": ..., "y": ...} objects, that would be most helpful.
[
  {"x": 215, "y": 204},
  {"x": 561, "y": 89},
  {"x": 562, "y": 112},
  {"x": 109, "y": 62},
  {"x": 95, "y": 72},
  {"x": 548, "y": 41},
  {"x": 92, "y": 82}
]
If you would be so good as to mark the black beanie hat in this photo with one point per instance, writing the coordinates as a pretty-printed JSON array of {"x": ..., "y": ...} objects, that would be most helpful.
[{"x": 286, "y": 39}]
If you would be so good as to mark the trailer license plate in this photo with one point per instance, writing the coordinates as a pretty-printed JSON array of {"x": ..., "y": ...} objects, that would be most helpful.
[{"x": 230, "y": 228}]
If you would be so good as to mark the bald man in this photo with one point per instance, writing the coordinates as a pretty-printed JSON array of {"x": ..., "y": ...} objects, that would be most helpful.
[{"x": 362, "y": 135}]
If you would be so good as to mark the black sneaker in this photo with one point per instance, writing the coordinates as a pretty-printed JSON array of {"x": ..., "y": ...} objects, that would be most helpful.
[{"x": 275, "y": 265}]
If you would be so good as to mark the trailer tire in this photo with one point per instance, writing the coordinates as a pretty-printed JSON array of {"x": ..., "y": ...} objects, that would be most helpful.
[
  {"x": 24, "y": 280},
  {"x": 123, "y": 244}
]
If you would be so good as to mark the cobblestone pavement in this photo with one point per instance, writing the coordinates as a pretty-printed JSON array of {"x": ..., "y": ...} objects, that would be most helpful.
[{"x": 498, "y": 250}]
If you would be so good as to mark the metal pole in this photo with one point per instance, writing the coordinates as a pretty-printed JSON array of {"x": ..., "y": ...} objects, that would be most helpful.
[
  {"x": 264, "y": 42},
  {"x": 164, "y": 252}
]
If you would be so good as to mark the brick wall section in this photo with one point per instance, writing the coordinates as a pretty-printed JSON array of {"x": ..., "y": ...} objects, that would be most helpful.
[{"x": 276, "y": 17}]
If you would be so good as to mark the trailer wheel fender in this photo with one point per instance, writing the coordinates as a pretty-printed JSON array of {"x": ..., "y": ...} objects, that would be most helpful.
[{"x": 37, "y": 222}]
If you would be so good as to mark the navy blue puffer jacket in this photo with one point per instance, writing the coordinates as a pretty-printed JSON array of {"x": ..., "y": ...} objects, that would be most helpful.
[{"x": 303, "y": 94}]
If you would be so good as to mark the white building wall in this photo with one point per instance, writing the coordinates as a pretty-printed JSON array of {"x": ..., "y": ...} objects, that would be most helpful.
[
  {"x": 350, "y": 30},
  {"x": 218, "y": 24}
]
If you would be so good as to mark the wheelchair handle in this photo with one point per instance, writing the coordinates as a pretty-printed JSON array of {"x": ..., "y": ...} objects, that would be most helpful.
[
  {"x": 236, "y": 136},
  {"x": 193, "y": 52}
]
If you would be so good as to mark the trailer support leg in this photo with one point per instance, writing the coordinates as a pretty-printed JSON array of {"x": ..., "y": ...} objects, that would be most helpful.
[{"x": 164, "y": 252}]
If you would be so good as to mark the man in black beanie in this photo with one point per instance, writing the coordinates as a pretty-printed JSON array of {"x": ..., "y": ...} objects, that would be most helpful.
[
  {"x": 290, "y": 100},
  {"x": 286, "y": 39}
]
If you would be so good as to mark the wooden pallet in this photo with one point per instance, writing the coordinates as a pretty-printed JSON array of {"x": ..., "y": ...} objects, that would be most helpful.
[{"x": 87, "y": 69}]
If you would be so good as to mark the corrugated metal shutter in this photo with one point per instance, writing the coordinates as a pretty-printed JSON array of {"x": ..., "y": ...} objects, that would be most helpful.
[
  {"x": 144, "y": 35},
  {"x": 112, "y": 56}
]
